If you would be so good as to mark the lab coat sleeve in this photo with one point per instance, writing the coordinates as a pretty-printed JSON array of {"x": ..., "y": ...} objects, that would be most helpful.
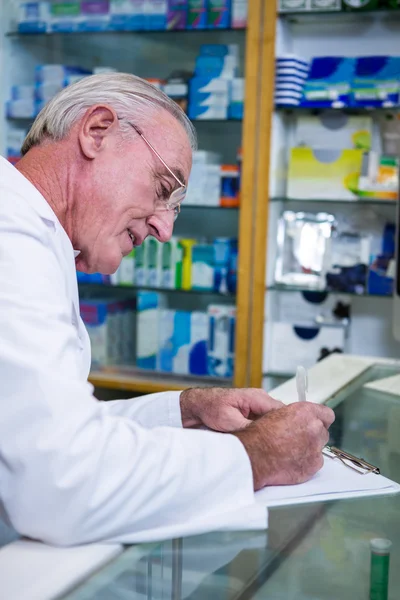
[
  {"x": 150, "y": 411},
  {"x": 72, "y": 473}
]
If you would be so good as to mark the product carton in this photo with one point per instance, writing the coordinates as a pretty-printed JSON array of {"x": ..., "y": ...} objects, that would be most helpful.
[
  {"x": 177, "y": 14},
  {"x": 147, "y": 340},
  {"x": 324, "y": 174},
  {"x": 127, "y": 15},
  {"x": 221, "y": 340},
  {"x": 33, "y": 17}
]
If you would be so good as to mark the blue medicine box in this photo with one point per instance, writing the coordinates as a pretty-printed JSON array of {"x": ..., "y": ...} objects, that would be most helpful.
[
  {"x": 329, "y": 82},
  {"x": 376, "y": 81}
]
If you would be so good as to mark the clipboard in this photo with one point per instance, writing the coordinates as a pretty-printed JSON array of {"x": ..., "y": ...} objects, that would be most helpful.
[
  {"x": 349, "y": 460},
  {"x": 343, "y": 475}
]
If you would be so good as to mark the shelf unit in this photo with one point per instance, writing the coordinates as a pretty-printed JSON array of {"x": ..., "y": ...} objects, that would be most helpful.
[
  {"x": 354, "y": 202},
  {"x": 344, "y": 34},
  {"x": 132, "y": 289},
  {"x": 149, "y": 382},
  {"x": 155, "y": 54},
  {"x": 277, "y": 287}
]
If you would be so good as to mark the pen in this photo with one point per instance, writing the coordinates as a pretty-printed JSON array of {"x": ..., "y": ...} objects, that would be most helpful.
[{"x": 301, "y": 384}]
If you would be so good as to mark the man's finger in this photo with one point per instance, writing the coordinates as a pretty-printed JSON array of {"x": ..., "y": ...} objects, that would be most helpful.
[
  {"x": 324, "y": 413},
  {"x": 260, "y": 402}
]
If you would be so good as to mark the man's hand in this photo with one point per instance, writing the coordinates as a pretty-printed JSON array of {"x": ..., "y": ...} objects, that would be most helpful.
[
  {"x": 285, "y": 446},
  {"x": 224, "y": 409}
]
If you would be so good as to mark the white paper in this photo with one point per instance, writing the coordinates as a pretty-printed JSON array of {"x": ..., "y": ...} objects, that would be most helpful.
[{"x": 332, "y": 482}]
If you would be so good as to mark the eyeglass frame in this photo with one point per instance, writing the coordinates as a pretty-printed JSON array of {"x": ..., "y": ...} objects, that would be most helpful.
[{"x": 181, "y": 191}]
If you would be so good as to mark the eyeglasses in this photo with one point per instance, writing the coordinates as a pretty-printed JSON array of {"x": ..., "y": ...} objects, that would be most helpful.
[{"x": 177, "y": 196}]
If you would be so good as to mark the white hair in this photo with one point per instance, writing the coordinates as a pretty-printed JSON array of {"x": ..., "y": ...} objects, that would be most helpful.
[{"x": 131, "y": 97}]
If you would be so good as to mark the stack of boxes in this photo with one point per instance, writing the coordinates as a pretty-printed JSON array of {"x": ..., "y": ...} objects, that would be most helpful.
[
  {"x": 309, "y": 5},
  {"x": 204, "y": 186},
  {"x": 338, "y": 81},
  {"x": 182, "y": 342},
  {"x": 216, "y": 91},
  {"x": 336, "y": 5},
  {"x": 14, "y": 140},
  {"x": 180, "y": 263},
  {"x": 50, "y": 16},
  {"x": 111, "y": 327},
  {"x": 290, "y": 78},
  {"x": 27, "y": 100}
]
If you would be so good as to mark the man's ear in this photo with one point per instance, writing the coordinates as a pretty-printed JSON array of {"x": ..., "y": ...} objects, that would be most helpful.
[{"x": 98, "y": 122}]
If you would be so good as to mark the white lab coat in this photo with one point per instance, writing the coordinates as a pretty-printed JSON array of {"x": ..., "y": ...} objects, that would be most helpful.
[{"x": 72, "y": 469}]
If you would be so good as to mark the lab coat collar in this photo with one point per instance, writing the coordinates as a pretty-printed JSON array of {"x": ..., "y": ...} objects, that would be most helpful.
[{"x": 37, "y": 201}]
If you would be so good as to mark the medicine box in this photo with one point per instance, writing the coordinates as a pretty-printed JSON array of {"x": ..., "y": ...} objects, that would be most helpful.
[
  {"x": 310, "y": 308},
  {"x": 171, "y": 264},
  {"x": 183, "y": 342},
  {"x": 33, "y": 17},
  {"x": 126, "y": 270},
  {"x": 221, "y": 340},
  {"x": 224, "y": 67},
  {"x": 329, "y": 82},
  {"x": 140, "y": 265},
  {"x": 293, "y": 5},
  {"x": 289, "y": 345},
  {"x": 338, "y": 131},
  {"x": 14, "y": 140},
  {"x": 101, "y": 320},
  {"x": 126, "y": 15},
  {"x": 155, "y": 15},
  {"x": 153, "y": 262},
  {"x": 207, "y": 85},
  {"x": 147, "y": 340},
  {"x": 95, "y": 15},
  {"x": 21, "y": 109},
  {"x": 176, "y": 14},
  {"x": 65, "y": 16},
  {"x": 62, "y": 74},
  {"x": 218, "y": 14},
  {"x": 208, "y": 112},
  {"x": 376, "y": 81},
  {"x": 23, "y": 92},
  {"x": 203, "y": 267},
  {"x": 325, "y": 5},
  {"x": 324, "y": 173},
  {"x": 239, "y": 14},
  {"x": 197, "y": 14}
]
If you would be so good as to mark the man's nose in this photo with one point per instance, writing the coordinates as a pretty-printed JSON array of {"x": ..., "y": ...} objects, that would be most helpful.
[{"x": 161, "y": 225}]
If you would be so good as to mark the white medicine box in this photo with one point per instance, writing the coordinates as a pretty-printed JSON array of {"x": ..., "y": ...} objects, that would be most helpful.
[{"x": 287, "y": 346}]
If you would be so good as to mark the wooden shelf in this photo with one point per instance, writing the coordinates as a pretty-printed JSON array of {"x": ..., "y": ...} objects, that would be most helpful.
[
  {"x": 150, "y": 382},
  {"x": 148, "y": 32}
]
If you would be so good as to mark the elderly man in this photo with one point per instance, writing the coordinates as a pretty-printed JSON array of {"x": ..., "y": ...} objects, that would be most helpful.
[{"x": 104, "y": 166}]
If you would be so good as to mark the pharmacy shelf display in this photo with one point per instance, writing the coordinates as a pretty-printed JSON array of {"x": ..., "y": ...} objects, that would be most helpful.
[
  {"x": 333, "y": 186},
  {"x": 36, "y": 64}
]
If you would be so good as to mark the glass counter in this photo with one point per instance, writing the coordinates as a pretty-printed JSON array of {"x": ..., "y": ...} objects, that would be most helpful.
[{"x": 315, "y": 551}]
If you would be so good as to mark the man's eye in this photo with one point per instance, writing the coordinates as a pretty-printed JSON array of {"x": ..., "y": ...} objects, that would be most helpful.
[{"x": 163, "y": 193}]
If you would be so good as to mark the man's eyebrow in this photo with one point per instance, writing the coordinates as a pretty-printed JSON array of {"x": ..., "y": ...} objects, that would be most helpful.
[{"x": 177, "y": 171}]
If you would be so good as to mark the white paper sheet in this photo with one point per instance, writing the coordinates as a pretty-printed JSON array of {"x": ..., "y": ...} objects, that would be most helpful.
[{"x": 332, "y": 482}]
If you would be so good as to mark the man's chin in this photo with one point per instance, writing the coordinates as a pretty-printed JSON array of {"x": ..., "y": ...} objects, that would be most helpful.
[{"x": 84, "y": 267}]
